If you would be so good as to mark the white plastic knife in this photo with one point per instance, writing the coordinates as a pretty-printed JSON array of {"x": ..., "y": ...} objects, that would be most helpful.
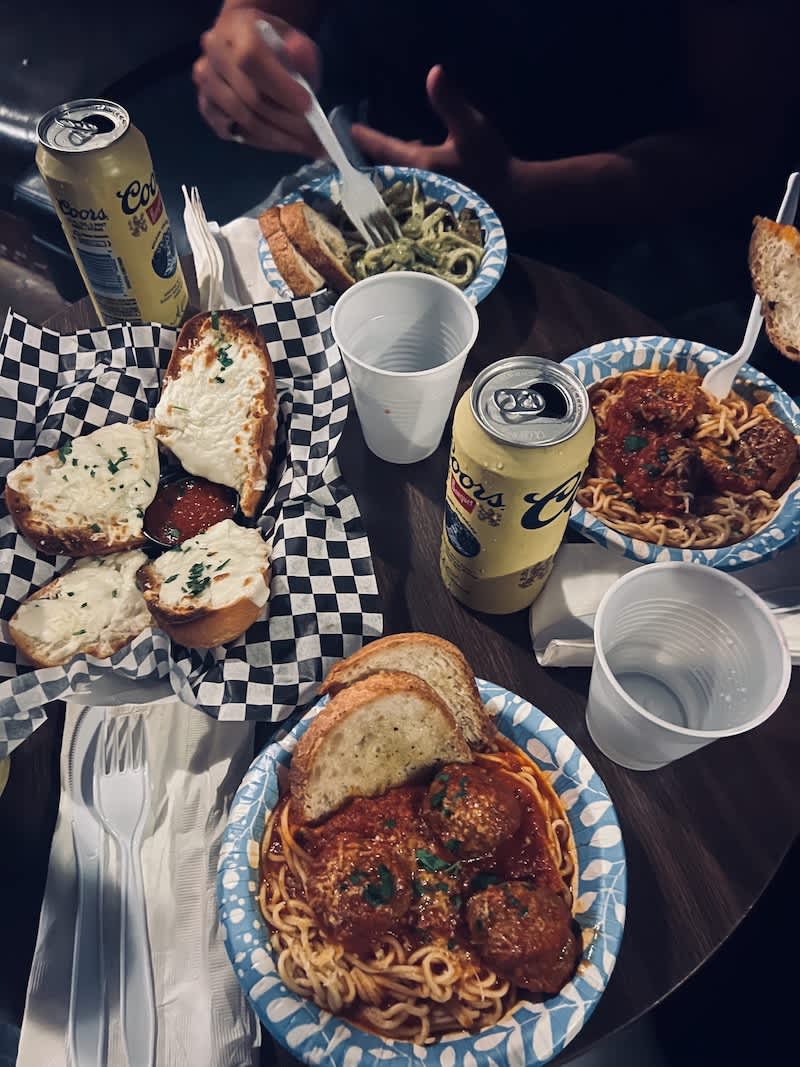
[{"x": 87, "y": 1000}]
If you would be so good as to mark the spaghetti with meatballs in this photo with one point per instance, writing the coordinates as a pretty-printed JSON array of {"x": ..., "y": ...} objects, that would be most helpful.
[
  {"x": 675, "y": 466},
  {"x": 428, "y": 908}
]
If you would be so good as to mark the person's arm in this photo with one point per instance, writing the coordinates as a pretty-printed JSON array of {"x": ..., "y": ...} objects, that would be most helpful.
[
  {"x": 739, "y": 58},
  {"x": 243, "y": 91},
  {"x": 742, "y": 83}
]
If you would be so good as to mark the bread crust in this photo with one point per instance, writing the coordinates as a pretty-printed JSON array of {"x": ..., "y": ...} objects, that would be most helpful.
[
  {"x": 294, "y": 219},
  {"x": 483, "y": 733},
  {"x": 768, "y": 286},
  {"x": 263, "y": 409},
  {"x": 311, "y": 745},
  {"x": 295, "y": 270}
]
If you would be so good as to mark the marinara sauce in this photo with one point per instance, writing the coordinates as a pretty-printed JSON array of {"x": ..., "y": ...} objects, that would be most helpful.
[{"x": 186, "y": 507}]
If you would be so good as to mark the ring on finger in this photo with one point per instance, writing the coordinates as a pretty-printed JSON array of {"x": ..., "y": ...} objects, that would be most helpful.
[{"x": 234, "y": 132}]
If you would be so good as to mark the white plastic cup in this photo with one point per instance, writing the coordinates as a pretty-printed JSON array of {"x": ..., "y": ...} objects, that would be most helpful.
[
  {"x": 684, "y": 654},
  {"x": 404, "y": 338}
]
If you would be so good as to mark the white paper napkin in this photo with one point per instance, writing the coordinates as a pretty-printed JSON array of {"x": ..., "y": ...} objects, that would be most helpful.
[
  {"x": 562, "y": 617},
  {"x": 196, "y": 763},
  {"x": 243, "y": 281}
]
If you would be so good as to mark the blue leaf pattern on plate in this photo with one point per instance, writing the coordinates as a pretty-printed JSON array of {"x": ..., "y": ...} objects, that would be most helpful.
[
  {"x": 319, "y": 192},
  {"x": 627, "y": 353},
  {"x": 534, "y": 1032}
]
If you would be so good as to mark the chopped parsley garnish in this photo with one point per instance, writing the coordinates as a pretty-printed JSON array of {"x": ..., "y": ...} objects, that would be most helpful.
[
  {"x": 66, "y": 479},
  {"x": 451, "y": 944},
  {"x": 172, "y": 533},
  {"x": 427, "y": 861},
  {"x": 453, "y": 845},
  {"x": 390, "y": 823},
  {"x": 77, "y": 633},
  {"x": 178, "y": 407},
  {"x": 140, "y": 512},
  {"x": 437, "y": 798},
  {"x": 146, "y": 483},
  {"x": 357, "y": 877},
  {"x": 114, "y": 465},
  {"x": 662, "y": 455},
  {"x": 483, "y": 881},
  {"x": 223, "y": 357},
  {"x": 70, "y": 594},
  {"x": 171, "y": 578},
  {"x": 381, "y": 892},
  {"x": 64, "y": 451},
  {"x": 114, "y": 594},
  {"x": 634, "y": 442},
  {"x": 74, "y": 463},
  {"x": 456, "y": 900},
  {"x": 84, "y": 604},
  {"x": 92, "y": 473},
  {"x": 94, "y": 528},
  {"x": 219, "y": 568},
  {"x": 443, "y": 776},
  {"x": 196, "y": 583},
  {"x": 516, "y": 903},
  {"x": 214, "y": 320},
  {"x": 220, "y": 380},
  {"x": 652, "y": 471}
]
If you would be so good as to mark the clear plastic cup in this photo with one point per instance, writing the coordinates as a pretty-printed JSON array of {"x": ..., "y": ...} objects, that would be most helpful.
[
  {"x": 404, "y": 338},
  {"x": 684, "y": 654}
]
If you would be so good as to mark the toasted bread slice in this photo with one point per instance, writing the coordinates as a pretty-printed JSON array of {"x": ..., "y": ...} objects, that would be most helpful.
[
  {"x": 774, "y": 261},
  {"x": 436, "y": 661},
  {"x": 87, "y": 498},
  {"x": 382, "y": 731},
  {"x": 319, "y": 242},
  {"x": 217, "y": 411},
  {"x": 295, "y": 270},
  {"x": 93, "y": 607},
  {"x": 212, "y": 588}
]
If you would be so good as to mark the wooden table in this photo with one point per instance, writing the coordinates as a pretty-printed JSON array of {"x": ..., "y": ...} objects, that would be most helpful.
[{"x": 703, "y": 836}]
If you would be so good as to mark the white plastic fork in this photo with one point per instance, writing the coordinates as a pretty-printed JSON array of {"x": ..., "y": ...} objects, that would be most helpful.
[
  {"x": 122, "y": 792},
  {"x": 361, "y": 201}
]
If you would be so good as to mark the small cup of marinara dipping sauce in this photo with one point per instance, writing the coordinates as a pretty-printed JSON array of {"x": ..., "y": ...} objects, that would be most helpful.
[{"x": 185, "y": 507}]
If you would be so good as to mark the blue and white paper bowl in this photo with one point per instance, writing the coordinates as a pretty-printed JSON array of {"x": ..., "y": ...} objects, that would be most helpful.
[
  {"x": 533, "y": 1032},
  {"x": 610, "y": 358},
  {"x": 321, "y": 192}
]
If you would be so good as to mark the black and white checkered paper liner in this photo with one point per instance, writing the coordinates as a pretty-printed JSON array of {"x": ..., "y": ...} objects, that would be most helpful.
[{"x": 323, "y": 594}]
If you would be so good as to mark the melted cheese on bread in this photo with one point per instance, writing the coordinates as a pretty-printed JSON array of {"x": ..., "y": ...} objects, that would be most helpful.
[
  {"x": 94, "y": 605},
  {"x": 205, "y": 414},
  {"x": 101, "y": 483},
  {"x": 214, "y": 569}
]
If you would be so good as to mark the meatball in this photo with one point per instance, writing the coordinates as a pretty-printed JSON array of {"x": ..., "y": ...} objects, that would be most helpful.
[
  {"x": 765, "y": 457},
  {"x": 470, "y": 810},
  {"x": 661, "y": 473},
  {"x": 525, "y": 934},
  {"x": 359, "y": 890},
  {"x": 671, "y": 401},
  {"x": 769, "y": 451}
]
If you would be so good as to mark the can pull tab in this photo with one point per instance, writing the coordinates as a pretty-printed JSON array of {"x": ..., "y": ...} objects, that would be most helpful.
[
  {"x": 518, "y": 405},
  {"x": 83, "y": 130}
]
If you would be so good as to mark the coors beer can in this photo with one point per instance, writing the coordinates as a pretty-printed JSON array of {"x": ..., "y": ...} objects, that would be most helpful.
[
  {"x": 521, "y": 441},
  {"x": 98, "y": 171}
]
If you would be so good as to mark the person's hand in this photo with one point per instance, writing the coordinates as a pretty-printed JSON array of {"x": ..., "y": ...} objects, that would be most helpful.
[
  {"x": 243, "y": 91},
  {"x": 473, "y": 151}
]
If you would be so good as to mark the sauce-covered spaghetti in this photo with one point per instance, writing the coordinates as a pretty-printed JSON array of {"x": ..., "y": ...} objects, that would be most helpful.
[
  {"x": 425, "y": 910},
  {"x": 674, "y": 466}
]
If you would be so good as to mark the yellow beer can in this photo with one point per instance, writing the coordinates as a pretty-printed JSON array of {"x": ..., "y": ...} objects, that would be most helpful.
[
  {"x": 97, "y": 168},
  {"x": 522, "y": 436}
]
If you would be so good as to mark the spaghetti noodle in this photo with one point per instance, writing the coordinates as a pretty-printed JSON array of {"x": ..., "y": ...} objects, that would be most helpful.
[
  {"x": 674, "y": 466},
  {"x": 410, "y": 984}
]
